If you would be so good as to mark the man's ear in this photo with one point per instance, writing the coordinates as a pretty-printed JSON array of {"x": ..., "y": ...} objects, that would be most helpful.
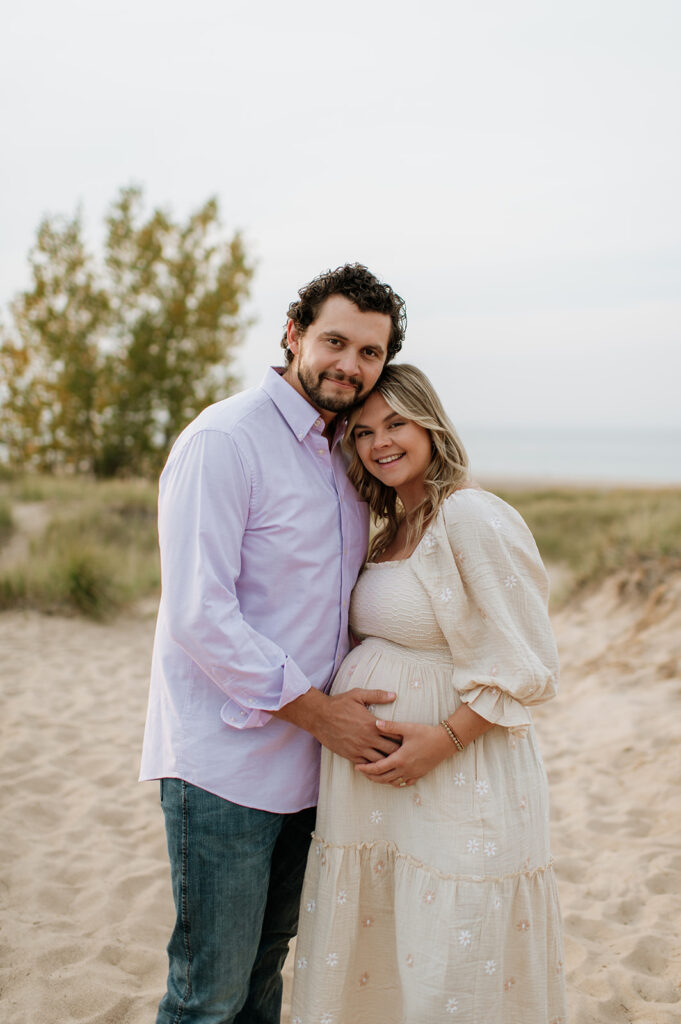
[{"x": 292, "y": 337}]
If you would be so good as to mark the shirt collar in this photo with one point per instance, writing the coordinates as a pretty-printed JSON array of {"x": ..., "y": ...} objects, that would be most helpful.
[{"x": 296, "y": 410}]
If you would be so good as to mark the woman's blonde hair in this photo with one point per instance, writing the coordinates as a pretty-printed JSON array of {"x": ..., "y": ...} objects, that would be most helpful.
[{"x": 409, "y": 392}]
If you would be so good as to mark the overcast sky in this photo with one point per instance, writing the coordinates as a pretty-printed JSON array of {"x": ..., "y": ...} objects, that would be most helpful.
[{"x": 511, "y": 167}]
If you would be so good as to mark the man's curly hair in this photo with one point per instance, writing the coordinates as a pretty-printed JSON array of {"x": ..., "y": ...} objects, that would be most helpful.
[{"x": 359, "y": 285}]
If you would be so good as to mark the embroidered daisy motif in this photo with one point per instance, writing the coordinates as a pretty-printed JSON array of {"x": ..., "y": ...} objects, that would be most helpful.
[
  {"x": 417, "y": 799},
  {"x": 557, "y": 1020},
  {"x": 409, "y": 960},
  {"x": 297, "y": 1020},
  {"x": 415, "y": 684},
  {"x": 510, "y": 581},
  {"x": 301, "y": 963},
  {"x": 509, "y": 983},
  {"x": 310, "y": 906},
  {"x": 376, "y": 817},
  {"x": 452, "y": 1005},
  {"x": 559, "y": 967},
  {"x": 429, "y": 896},
  {"x": 322, "y": 859},
  {"x": 482, "y": 787},
  {"x": 326, "y": 1018},
  {"x": 490, "y": 849},
  {"x": 428, "y": 541},
  {"x": 473, "y": 845},
  {"x": 379, "y": 868},
  {"x": 523, "y": 926},
  {"x": 495, "y": 523},
  {"x": 332, "y": 959},
  {"x": 364, "y": 978},
  {"x": 497, "y": 903},
  {"x": 318, "y": 849},
  {"x": 490, "y": 967},
  {"x": 523, "y": 803},
  {"x": 465, "y": 937},
  {"x": 342, "y": 897},
  {"x": 445, "y": 594},
  {"x": 459, "y": 779}
]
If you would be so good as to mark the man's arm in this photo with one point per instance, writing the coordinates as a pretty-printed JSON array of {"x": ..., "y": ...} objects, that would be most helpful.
[
  {"x": 342, "y": 723},
  {"x": 203, "y": 511}
]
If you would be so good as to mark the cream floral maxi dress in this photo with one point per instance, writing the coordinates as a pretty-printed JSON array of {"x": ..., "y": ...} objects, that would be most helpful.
[{"x": 437, "y": 902}]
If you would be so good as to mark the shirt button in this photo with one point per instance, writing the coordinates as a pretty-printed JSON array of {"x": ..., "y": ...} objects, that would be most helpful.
[
  {"x": 320, "y": 451},
  {"x": 318, "y": 422}
]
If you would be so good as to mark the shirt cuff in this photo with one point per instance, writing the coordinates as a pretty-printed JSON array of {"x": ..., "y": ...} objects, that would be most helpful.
[{"x": 254, "y": 712}]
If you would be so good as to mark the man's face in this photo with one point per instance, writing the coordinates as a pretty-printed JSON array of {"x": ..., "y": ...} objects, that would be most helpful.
[{"x": 339, "y": 358}]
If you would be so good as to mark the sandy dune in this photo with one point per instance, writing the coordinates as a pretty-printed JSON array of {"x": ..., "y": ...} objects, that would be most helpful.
[{"x": 85, "y": 887}]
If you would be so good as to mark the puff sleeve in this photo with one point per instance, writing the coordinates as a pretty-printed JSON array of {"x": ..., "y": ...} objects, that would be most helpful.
[{"x": 505, "y": 656}]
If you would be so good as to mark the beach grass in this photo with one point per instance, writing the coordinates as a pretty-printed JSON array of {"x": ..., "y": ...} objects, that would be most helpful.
[
  {"x": 90, "y": 547},
  {"x": 95, "y": 551},
  {"x": 593, "y": 532}
]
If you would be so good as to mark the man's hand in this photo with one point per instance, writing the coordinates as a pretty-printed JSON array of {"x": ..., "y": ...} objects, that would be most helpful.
[{"x": 342, "y": 722}]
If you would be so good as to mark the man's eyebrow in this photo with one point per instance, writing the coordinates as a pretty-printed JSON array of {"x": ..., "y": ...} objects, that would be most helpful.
[
  {"x": 365, "y": 426},
  {"x": 335, "y": 334}
]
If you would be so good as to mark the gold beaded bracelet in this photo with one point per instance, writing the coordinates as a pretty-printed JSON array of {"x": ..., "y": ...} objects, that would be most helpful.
[{"x": 452, "y": 735}]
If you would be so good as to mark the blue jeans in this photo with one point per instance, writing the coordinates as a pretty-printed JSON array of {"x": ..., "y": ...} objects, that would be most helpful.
[{"x": 236, "y": 874}]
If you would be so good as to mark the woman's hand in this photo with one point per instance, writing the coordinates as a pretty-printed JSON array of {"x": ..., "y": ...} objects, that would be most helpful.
[{"x": 423, "y": 747}]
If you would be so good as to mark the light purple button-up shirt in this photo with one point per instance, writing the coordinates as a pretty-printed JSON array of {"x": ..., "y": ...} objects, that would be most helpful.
[{"x": 262, "y": 538}]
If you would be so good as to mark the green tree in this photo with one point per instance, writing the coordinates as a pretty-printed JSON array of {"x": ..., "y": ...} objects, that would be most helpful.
[
  {"x": 109, "y": 359},
  {"x": 51, "y": 363}
]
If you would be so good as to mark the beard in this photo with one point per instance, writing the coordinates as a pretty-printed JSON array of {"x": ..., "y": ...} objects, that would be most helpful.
[{"x": 312, "y": 386}]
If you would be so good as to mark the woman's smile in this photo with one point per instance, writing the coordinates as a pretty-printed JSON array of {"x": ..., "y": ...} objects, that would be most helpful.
[{"x": 384, "y": 460}]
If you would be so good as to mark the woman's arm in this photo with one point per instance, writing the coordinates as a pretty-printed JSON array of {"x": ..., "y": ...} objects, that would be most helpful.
[{"x": 489, "y": 593}]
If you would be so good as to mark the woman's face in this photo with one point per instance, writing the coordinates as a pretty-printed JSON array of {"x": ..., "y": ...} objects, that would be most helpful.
[{"x": 394, "y": 449}]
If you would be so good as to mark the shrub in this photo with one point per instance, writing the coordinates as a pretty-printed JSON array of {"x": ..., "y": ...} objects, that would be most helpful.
[{"x": 6, "y": 521}]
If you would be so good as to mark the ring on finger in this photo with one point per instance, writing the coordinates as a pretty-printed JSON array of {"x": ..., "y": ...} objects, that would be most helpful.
[{"x": 401, "y": 782}]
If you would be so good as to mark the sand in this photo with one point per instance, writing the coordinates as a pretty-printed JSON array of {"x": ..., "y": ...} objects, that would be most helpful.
[{"x": 86, "y": 907}]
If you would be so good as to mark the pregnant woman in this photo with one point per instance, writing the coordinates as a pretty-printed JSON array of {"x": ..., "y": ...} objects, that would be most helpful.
[{"x": 429, "y": 893}]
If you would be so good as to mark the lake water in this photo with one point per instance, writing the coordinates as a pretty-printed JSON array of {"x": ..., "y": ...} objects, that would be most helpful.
[{"x": 565, "y": 455}]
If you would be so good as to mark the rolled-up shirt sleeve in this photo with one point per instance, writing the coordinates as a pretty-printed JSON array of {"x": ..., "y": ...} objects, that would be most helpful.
[{"x": 204, "y": 500}]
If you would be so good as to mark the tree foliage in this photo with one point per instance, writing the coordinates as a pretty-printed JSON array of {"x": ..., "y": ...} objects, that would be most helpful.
[{"x": 106, "y": 360}]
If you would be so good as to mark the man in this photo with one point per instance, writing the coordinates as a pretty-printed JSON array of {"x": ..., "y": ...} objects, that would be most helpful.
[{"x": 262, "y": 538}]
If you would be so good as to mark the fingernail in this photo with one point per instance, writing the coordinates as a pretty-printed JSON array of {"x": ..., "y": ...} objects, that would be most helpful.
[
  {"x": 391, "y": 695},
  {"x": 379, "y": 724}
]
